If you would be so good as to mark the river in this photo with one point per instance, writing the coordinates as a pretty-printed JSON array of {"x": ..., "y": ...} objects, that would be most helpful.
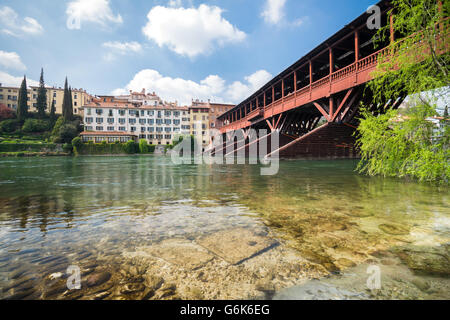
[{"x": 144, "y": 228}]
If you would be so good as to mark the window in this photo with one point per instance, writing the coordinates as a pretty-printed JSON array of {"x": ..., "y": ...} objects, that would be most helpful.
[
  {"x": 168, "y": 121},
  {"x": 110, "y": 113},
  {"x": 168, "y": 137},
  {"x": 88, "y": 128},
  {"x": 121, "y": 112},
  {"x": 167, "y": 113},
  {"x": 99, "y": 120},
  {"x": 151, "y": 136},
  {"x": 159, "y": 129},
  {"x": 159, "y": 114},
  {"x": 158, "y": 121},
  {"x": 99, "y": 128},
  {"x": 176, "y": 122},
  {"x": 110, "y": 128},
  {"x": 151, "y": 121},
  {"x": 98, "y": 111},
  {"x": 89, "y": 111},
  {"x": 168, "y": 129},
  {"x": 176, "y": 114},
  {"x": 122, "y": 121},
  {"x": 75, "y": 103},
  {"x": 142, "y": 129},
  {"x": 89, "y": 120},
  {"x": 133, "y": 129},
  {"x": 150, "y": 113},
  {"x": 54, "y": 94},
  {"x": 142, "y": 113},
  {"x": 142, "y": 121},
  {"x": 110, "y": 120},
  {"x": 132, "y": 121},
  {"x": 151, "y": 129},
  {"x": 122, "y": 129}
]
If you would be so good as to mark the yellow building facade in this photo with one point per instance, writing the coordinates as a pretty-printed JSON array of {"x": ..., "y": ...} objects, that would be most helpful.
[{"x": 9, "y": 96}]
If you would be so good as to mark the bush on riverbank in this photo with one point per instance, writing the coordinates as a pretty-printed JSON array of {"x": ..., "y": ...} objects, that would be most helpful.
[
  {"x": 104, "y": 148},
  {"x": 32, "y": 147}
]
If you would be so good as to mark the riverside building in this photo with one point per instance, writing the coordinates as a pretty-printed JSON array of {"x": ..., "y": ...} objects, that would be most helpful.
[
  {"x": 160, "y": 124},
  {"x": 9, "y": 96}
]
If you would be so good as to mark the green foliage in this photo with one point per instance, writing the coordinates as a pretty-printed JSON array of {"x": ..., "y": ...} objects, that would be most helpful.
[
  {"x": 66, "y": 133},
  {"x": 67, "y": 147},
  {"x": 52, "y": 114},
  {"x": 22, "y": 106},
  {"x": 131, "y": 147},
  {"x": 9, "y": 126},
  {"x": 67, "y": 107},
  {"x": 59, "y": 123},
  {"x": 402, "y": 144},
  {"x": 77, "y": 142},
  {"x": 143, "y": 146},
  {"x": 33, "y": 125},
  {"x": 34, "y": 147},
  {"x": 41, "y": 102},
  {"x": 397, "y": 145}
]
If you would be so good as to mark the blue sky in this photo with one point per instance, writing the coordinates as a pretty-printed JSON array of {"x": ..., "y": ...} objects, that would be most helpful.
[{"x": 222, "y": 50}]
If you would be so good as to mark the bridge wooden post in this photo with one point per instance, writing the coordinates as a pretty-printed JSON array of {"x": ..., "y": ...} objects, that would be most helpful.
[
  {"x": 331, "y": 65},
  {"x": 295, "y": 81},
  {"x": 331, "y": 109},
  {"x": 310, "y": 78}
]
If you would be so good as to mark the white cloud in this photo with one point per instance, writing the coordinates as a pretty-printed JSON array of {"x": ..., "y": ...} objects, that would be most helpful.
[
  {"x": 8, "y": 80},
  {"x": 11, "y": 60},
  {"x": 213, "y": 87},
  {"x": 123, "y": 47},
  {"x": 11, "y": 24},
  {"x": 239, "y": 91},
  {"x": 273, "y": 11},
  {"x": 120, "y": 48},
  {"x": 191, "y": 31},
  {"x": 93, "y": 11}
]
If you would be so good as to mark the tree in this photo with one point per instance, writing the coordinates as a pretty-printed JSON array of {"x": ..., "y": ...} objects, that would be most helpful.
[
  {"x": 67, "y": 103},
  {"x": 53, "y": 114},
  {"x": 400, "y": 143},
  {"x": 41, "y": 103},
  {"x": 6, "y": 113},
  {"x": 446, "y": 112},
  {"x": 22, "y": 104}
]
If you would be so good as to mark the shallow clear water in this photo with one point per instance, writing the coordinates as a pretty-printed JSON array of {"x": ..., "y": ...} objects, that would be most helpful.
[{"x": 112, "y": 215}]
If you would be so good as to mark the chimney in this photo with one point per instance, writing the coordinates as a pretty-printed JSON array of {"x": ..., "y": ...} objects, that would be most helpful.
[{"x": 143, "y": 91}]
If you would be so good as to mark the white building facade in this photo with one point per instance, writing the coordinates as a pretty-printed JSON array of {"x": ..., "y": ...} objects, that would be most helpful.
[{"x": 159, "y": 125}]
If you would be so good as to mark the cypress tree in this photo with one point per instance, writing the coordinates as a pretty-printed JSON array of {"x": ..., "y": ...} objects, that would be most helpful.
[
  {"x": 22, "y": 105},
  {"x": 41, "y": 103},
  {"x": 71, "y": 102},
  {"x": 67, "y": 103},
  {"x": 53, "y": 113}
]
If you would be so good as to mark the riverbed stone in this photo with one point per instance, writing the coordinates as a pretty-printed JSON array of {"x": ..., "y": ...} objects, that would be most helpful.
[
  {"x": 98, "y": 278},
  {"x": 393, "y": 229},
  {"x": 236, "y": 245},
  {"x": 182, "y": 253},
  {"x": 425, "y": 260}
]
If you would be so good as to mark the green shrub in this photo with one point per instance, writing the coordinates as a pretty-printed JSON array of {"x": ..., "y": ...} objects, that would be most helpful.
[
  {"x": 77, "y": 142},
  {"x": 34, "y": 147},
  {"x": 66, "y": 134},
  {"x": 67, "y": 147},
  {"x": 9, "y": 126},
  {"x": 34, "y": 125},
  {"x": 131, "y": 147},
  {"x": 143, "y": 146}
]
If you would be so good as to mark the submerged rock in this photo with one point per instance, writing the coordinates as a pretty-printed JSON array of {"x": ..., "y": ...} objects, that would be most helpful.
[
  {"x": 98, "y": 279},
  {"x": 426, "y": 260},
  {"x": 182, "y": 253},
  {"x": 236, "y": 245},
  {"x": 314, "y": 290},
  {"x": 393, "y": 229}
]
